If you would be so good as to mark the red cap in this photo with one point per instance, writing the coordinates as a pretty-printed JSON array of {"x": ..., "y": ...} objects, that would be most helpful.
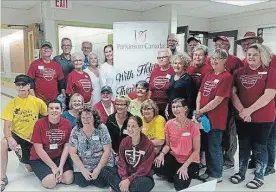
[{"x": 223, "y": 38}]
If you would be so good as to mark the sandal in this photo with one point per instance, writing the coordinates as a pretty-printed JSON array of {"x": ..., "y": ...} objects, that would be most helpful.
[
  {"x": 4, "y": 182},
  {"x": 254, "y": 184},
  {"x": 237, "y": 178}
]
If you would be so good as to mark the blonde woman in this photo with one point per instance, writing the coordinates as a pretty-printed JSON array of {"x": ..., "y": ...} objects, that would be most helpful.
[{"x": 93, "y": 71}]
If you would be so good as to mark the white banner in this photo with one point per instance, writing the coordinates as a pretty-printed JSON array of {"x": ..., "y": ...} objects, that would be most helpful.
[{"x": 135, "y": 51}]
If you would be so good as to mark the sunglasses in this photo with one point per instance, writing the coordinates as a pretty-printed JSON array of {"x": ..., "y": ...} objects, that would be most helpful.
[{"x": 21, "y": 84}]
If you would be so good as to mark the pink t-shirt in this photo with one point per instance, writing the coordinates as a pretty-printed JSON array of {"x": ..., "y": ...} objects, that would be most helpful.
[{"x": 181, "y": 140}]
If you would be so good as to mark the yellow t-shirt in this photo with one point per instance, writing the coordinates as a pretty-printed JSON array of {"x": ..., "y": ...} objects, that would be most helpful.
[
  {"x": 155, "y": 129},
  {"x": 23, "y": 113}
]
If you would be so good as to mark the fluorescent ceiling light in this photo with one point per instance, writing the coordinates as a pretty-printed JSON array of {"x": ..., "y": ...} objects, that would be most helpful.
[{"x": 240, "y": 2}]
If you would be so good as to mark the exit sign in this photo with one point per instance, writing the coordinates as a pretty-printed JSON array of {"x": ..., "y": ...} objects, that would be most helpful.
[{"x": 62, "y": 4}]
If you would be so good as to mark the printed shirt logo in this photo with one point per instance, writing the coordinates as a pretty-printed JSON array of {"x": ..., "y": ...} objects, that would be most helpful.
[
  {"x": 248, "y": 81},
  {"x": 55, "y": 135},
  {"x": 208, "y": 86},
  {"x": 48, "y": 74},
  {"x": 86, "y": 84},
  {"x": 160, "y": 82},
  {"x": 133, "y": 156}
]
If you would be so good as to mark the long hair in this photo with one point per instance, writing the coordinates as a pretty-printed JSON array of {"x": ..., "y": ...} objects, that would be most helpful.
[{"x": 96, "y": 116}]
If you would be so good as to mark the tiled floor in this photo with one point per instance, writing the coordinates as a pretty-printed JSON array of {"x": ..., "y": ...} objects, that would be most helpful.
[{"x": 21, "y": 180}]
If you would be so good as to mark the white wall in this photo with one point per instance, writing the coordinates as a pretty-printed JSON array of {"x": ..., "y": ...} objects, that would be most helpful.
[
  {"x": 194, "y": 23},
  {"x": 11, "y": 16},
  {"x": 244, "y": 22}
]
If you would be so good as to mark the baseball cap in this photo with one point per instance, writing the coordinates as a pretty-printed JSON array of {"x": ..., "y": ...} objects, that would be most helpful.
[
  {"x": 22, "y": 78},
  {"x": 193, "y": 39},
  {"x": 223, "y": 38},
  {"x": 106, "y": 88},
  {"x": 46, "y": 43}
]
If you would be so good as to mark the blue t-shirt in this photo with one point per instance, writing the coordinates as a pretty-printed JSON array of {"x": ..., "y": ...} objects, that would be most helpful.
[{"x": 71, "y": 118}]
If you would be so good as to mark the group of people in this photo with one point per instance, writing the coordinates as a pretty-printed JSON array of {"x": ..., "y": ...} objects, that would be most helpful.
[{"x": 186, "y": 117}]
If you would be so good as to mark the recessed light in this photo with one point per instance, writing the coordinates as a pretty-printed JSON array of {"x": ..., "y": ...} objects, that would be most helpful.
[{"x": 240, "y": 2}]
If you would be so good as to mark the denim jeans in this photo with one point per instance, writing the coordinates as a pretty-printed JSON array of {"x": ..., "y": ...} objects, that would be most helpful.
[
  {"x": 255, "y": 134},
  {"x": 271, "y": 146},
  {"x": 214, "y": 156},
  {"x": 112, "y": 178}
]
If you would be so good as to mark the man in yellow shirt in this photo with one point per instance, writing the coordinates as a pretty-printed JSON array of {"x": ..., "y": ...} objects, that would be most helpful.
[{"x": 19, "y": 117}]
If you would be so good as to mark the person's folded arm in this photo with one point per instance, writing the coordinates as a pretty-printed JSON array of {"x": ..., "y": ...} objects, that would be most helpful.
[
  {"x": 212, "y": 104},
  {"x": 64, "y": 155},
  {"x": 75, "y": 158}
]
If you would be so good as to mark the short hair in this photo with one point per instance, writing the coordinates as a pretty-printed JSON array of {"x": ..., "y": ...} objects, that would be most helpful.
[
  {"x": 123, "y": 98},
  {"x": 150, "y": 103},
  {"x": 265, "y": 53},
  {"x": 138, "y": 120},
  {"x": 73, "y": 97},
  {"x": 109, "y": 45},
  {"x": 88, "y": 42},
  {"x": 185, "y": 58},
  {"x": 54, "y": 101},
  {"x": 201, "y": 47},
  {"x": 172, "y": 34},
  {"x": 220, "y": 54},
  {"x": 180, "y": 100},
  {"x": 144, "y": 83},
  {"x": 96, "y": 116},
  {"x": 64, "y": 39},
  {"x": 94, "y": 55},
  {"x": 168, "y": 50},
  {"x": 77, "y": 54}
]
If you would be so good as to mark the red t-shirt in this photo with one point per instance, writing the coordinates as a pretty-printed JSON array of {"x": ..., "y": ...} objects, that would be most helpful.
[
  {"x": 46, "y": 77},
  {"x": 99, "y": 106},
  {"x": 233, "y": 63},
  {"x": 57, "y": 136},
  {"x": 158, "y": 84},
  {"x": 199, "y": 73},
  {"x": 251, "y": 85},
  {"x": 79, "y": 83},
  {"x": 217, "y": 85}
]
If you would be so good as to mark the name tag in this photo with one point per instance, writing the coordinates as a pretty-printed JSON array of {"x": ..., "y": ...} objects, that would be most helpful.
[
  {"x": 262, "y": 73},
  {"x": 125, "y": 132},
  {"x": 168, "y": 76},
  {"x": 216, "y": 81},
  {"x": 53, "y": 146},
  {"x": 95, "y": 138},
  {"x": 186, "y": 134},
  {"x": 40, "y": 67}
]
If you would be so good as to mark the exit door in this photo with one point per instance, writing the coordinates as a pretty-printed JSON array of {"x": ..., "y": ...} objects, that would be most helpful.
[{"x": 232, "y": 36}]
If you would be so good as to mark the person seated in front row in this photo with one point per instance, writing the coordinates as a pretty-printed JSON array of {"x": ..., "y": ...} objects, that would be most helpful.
[
  {"x": 117, "y": 122},
  {"x": 179, "y": 158},
  {"x": 90, "y": 148},
  {"x": 49, "y": 154},
  {"x": 136, "y": 155},
  {"x": 106, "y": 106},
  {"x": 75, "y": 105},
  {"x": 153, "y": 124},
  {"x": 18, "y": 127}
]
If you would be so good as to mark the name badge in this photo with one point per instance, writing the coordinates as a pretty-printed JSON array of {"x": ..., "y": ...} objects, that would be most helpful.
[
  {"x": 216, "y": 81},
  {"x": 95, "y": 138},
  {"x": 186, "y": 134},
  {"x": 125, "y": 132},
  {"x": 40, "y": 67},
  {"x": 168, "y": 76},
  {"x": 53, "y": 146},
  {"x": 262, "y": 73}
]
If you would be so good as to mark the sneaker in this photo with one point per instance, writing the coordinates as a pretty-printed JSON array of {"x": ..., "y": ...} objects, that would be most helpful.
[
  {"x": 205, "y": 178},
  {"x": 269, "y": 170},
  {"x": 219, "y": 180},
  {"x": 227, "y": 167}
]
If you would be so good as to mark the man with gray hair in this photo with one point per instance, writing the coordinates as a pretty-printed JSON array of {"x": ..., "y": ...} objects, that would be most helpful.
[
  {"x": 172, "y": 42},
  {"x": 86, "y": 48}
]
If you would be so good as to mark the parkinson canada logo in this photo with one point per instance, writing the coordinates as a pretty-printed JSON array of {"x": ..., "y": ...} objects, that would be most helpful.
[{"x": 140, "y": 35}]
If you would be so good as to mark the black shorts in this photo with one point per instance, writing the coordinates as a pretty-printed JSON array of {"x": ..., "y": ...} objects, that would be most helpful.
[
  {"x": 41, "y": 169},
  {"x": 25, "y": 147}
]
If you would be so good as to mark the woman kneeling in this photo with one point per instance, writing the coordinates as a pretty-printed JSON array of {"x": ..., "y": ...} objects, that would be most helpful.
[
  {"x": 136, "y": 155},
  {"x": 179, "y": 158}
]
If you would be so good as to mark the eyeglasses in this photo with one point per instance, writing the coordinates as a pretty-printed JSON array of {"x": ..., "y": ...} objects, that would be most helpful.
[
  {"x": 78, "y": 60},
  {"x": 164, "y": 57},
  {"x": 121, "y": 105},
  {"x": 66, "y": 45},
  {"x": 173, "y": 41},
  {"x": 21, "y": 84}
]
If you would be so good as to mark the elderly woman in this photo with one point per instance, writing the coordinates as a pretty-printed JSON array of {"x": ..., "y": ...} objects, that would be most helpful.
[
  {"x": 181, "y": 84},
  {"x": 142, "y": 93},
  {"x": 179, "y": 158},
  {"x": 117, "y": 122},
  {"x": 90, "y": 148},
  {"x": 79, "y": 81},
  {"x": 136, "y": 155},
  {"x": 49, "y": 154},
  {"x": 93, "y": 71},
  {"x": 75, "y": 105},
  {"x": 212, "y": 100},
  {"x": 159, "y": 80},
  {"x": 153, "y": 124},
  {"x": 253, "y": 97},
  {"x": 200, "y": 64}
]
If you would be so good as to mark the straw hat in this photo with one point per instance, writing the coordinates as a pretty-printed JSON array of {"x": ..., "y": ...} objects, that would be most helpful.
[{"x": 250, "y": 35}]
